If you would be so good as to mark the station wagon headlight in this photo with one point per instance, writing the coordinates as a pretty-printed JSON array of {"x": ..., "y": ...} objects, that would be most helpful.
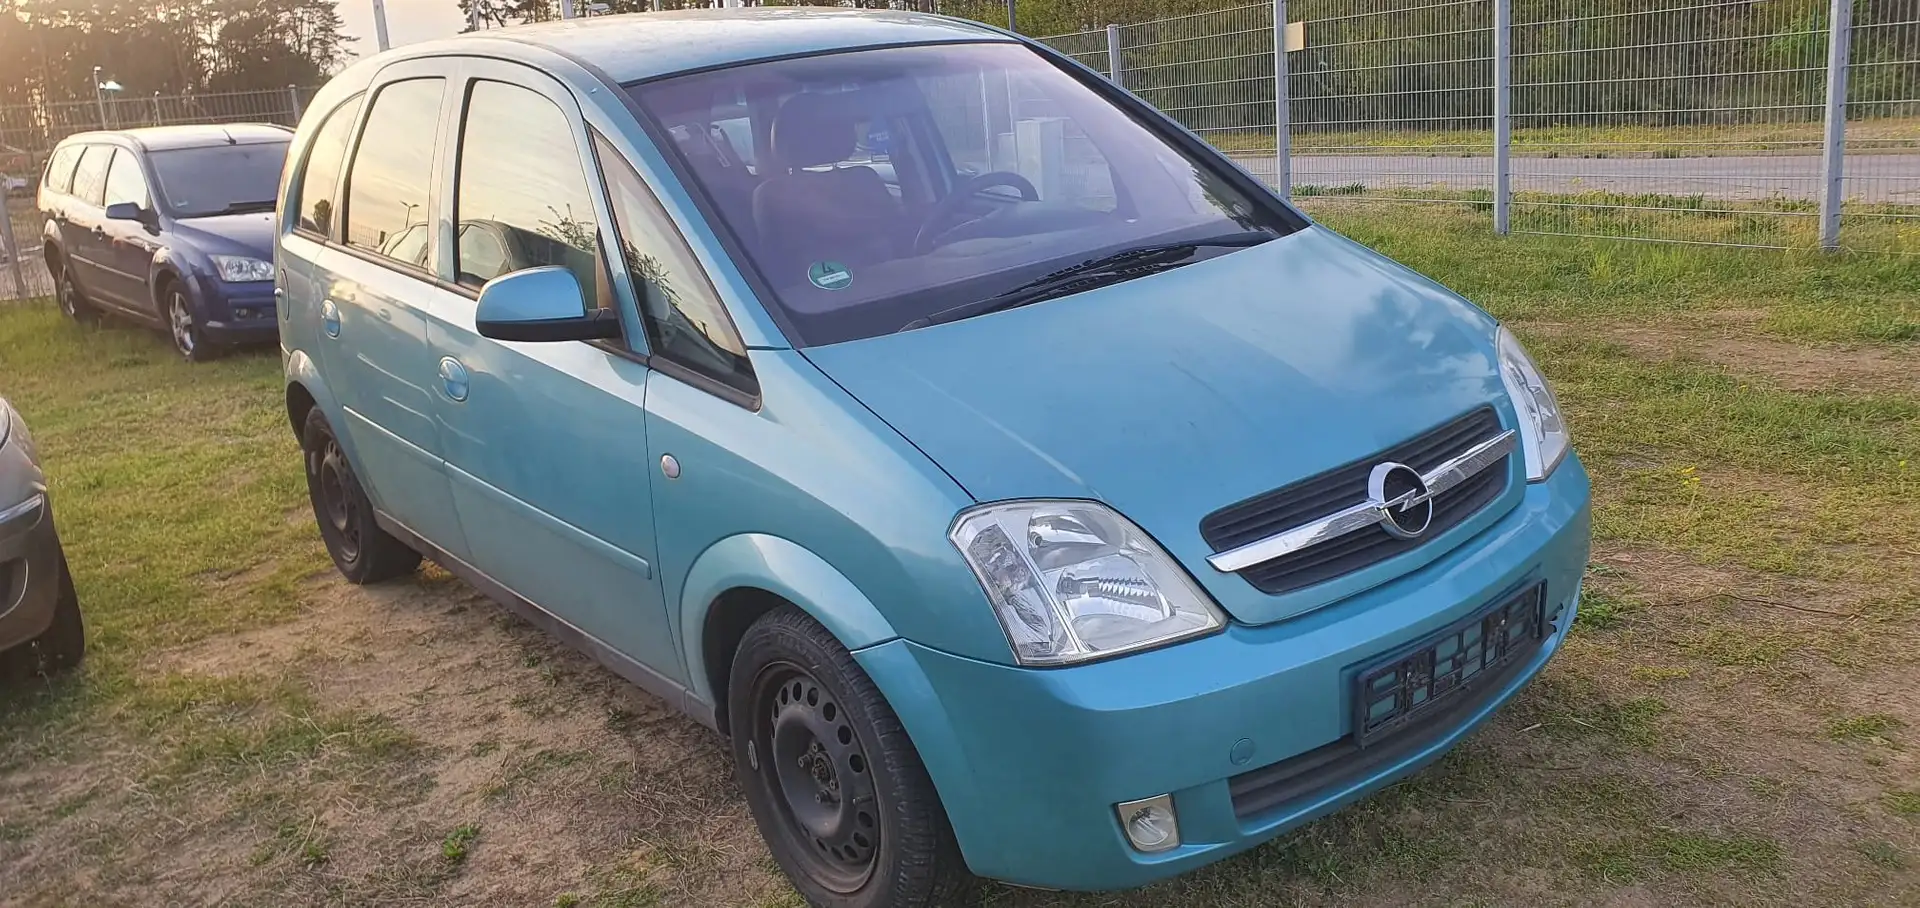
[
  {"x": 1072, "y": 581},
  {"x": 1543, "y": 432},
  {"x": 236, "y": 269}
]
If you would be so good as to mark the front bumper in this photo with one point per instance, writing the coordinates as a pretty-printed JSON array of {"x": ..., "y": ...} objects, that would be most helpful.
[
  {"x": 238, "y": 314},
  {"x": 1030, "y": 762},
  {"x": 29, "y": 570}
]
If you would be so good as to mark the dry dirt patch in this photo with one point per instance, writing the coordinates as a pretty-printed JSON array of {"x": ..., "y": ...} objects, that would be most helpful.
[{"x": 1730, "y": 343}]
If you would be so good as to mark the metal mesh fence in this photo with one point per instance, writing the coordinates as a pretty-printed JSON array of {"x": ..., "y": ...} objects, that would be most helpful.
[
  {"x": 1393, "y": 100},
  {"x": 1882, "y": 176},
  {"x": 23, "y": 272},
  {"x": 1689, "y": 120},
  {"x": 1700, "y": 121}
]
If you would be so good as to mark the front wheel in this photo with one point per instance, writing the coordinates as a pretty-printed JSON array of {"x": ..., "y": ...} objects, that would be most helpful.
[
  {"x": 362, "y": 551},
  {"x": 188, "y": 340},
  {"x": 837, "y": 789}
]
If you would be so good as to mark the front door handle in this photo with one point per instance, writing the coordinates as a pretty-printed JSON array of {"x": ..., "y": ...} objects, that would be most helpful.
[
  {"x": 330, "y": 318},
  {"x": 453, "y": 379}
]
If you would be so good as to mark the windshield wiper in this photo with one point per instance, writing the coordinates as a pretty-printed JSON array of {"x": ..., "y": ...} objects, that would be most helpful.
[
  {"x": 1126, "y": 264},
  {"x": 242, "y": 208}
]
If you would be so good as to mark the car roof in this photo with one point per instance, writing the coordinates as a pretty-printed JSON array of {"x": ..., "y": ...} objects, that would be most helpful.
[
  {"x": 640, "y": 46},
  {"x": 165, "y": 138}
]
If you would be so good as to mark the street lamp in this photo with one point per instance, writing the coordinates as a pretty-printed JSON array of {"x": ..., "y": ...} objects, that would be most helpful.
[{"x": 100, "y": 90}]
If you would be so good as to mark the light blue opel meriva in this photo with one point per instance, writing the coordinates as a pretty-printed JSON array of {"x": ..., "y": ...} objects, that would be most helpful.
[{"x": 1025, "y": 490}]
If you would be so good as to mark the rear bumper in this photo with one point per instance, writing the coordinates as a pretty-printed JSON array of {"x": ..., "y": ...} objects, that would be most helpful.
[
  {"x": 1030, "y": 763},
  {"x": 29, "y": 570}
]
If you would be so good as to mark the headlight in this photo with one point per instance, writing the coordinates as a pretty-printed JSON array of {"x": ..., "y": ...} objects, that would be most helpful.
[
  {"x": 1543, "y": 432},
  {"x": 238, "y": 268},
  {"x": 1072, "y": 581}
]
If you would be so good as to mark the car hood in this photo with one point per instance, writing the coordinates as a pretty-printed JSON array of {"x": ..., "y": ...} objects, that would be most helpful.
[
  {"x": 1171, "y": 396},
  {"x": 230, "y": 234}
]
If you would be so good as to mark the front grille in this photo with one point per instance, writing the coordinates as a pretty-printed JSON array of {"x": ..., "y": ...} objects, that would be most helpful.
[{"x": 1310, "y": 499}]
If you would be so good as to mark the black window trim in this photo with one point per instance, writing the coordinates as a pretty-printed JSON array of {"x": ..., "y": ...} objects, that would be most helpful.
[
  {"x": 750, "y": 399},
  {"x": 299, "y": 182},
  {"x": 111, "y": 148},
  {"x": 1149, "y": 118}
]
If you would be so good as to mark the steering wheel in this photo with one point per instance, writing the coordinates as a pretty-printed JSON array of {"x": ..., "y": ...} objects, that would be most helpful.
[{"x": 943, "y": 210}]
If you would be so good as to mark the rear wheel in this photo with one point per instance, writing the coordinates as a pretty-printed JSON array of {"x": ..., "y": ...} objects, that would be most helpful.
[
  {"x": 362, "y": 551},
  {"x": 59, "y": 647},
  {"x": 73, "y": 304},
  {"x": 183, "y": 328},
  {"x": 837, "y": 789}
]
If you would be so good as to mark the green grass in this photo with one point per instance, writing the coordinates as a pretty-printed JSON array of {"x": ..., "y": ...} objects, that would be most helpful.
[
  {"x": 1613, "y": 140},
  {"x": 454, "y": 848}
]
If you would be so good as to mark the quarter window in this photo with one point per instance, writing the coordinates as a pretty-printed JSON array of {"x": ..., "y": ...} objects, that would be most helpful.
[
  {"x": 522, "y": 199},
  {"x": 322, "y": 174},
  {"x": 90, "y": 177},
  {"x": 387, "y": 187},
  {"x": 125, "y": 182},
  {"x": 685, "y": 321},
  {"x": 60, "y": 168}
]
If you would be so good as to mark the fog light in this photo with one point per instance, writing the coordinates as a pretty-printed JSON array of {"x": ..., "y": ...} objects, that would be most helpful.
[{"x": 1150, "y": 824}]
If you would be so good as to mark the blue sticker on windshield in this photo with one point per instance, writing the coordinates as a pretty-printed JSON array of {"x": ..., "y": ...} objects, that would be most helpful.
[{"x": 829, "y": 275}]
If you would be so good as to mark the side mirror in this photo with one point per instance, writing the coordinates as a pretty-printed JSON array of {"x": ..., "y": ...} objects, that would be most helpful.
[
  {"x": 541, "y": 304},
  {"x": 125, "y": 211}
]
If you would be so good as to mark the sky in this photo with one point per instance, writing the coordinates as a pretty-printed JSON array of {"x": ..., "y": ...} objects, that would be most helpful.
[{"x": 407, "y": 21}]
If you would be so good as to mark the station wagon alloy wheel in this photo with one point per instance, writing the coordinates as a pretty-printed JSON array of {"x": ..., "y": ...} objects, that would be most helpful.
[{"x": 186, "y": 335}]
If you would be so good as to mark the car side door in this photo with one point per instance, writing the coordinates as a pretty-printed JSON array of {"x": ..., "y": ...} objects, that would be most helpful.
[
  {"x": 126, "y": 252},
  {"x": 83, "y": 231},
  {"x": 546, "y": 441},
  {"x": 371, "y": 283}
]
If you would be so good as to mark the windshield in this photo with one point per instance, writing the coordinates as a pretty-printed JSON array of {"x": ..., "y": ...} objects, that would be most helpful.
[
  {"x": 218, "y": 179},
  {"x": 874, "y": 189}
]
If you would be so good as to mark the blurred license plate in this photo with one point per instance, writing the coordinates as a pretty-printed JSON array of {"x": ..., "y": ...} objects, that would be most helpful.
[{"x": 1420, "y": 679}]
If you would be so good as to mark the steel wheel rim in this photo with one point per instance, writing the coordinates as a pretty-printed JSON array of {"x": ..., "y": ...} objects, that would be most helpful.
[
  {"x": 818, "y": 776},
  {"x": 181, "y": 318},
  {"x": 338, "y": 506}
]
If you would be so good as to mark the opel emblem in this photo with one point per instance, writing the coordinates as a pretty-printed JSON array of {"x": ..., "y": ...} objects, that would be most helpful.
[{"x": 1406, "y": 505}]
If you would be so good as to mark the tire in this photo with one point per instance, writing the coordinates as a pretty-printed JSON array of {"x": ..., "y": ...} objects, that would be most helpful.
[
  {"x": 182, "y": 328},
  {"x": 73, "y": 303},
  {"x": 837, "y": 789},
  {"x": 362, "y": 551},
  {"x": 58, "y": 648}
]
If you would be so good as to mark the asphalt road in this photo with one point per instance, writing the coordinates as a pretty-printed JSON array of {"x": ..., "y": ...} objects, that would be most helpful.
[{"x": 1889, "y": 178}]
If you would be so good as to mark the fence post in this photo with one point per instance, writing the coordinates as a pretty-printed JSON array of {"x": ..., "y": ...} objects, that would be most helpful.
[
  {"x": 1834, "y": 155},
  {"x": 14, "y": 253},
  {"x": 293, "y": 99},
  {"x": 1502, "y": 116},
  {"x": 1282, "y": 115},
  {"x": 1113, "y": 56}
]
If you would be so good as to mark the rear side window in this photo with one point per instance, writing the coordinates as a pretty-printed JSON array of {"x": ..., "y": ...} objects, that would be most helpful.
[
  {"x": 392, "y": 170},
  {"x": 90, "y": 176},
  {"x": 60, "y": 168},
  {"x": 125, "y": 182},
  {"x": 324, "y": 158},
  {"x": 522, "y": 199}
]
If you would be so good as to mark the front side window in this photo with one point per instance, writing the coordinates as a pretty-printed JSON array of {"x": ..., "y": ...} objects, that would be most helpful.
[
  {"x": 60, "y": 168},
  {"x": 216, "y": 180},
  {"x": 322, "y": 175},
  {"x": 90, "y": 176},
  {"x": 522, "y": 199},
  {"x": 125, "y": 182},
  {"x": 898, "y": 185},
  {"x": 387, "y": 186},
  {"x": 685, "y": 321}
]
